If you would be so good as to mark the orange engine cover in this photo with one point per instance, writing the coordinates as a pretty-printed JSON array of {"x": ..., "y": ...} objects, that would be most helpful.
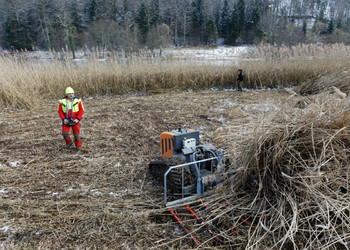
[{"x": 166, "y": 145}]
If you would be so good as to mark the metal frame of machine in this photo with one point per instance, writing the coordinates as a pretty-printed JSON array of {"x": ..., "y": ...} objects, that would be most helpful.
[
  {"x": 201, "y": 183},
  {"x": 187, "y": 169}
]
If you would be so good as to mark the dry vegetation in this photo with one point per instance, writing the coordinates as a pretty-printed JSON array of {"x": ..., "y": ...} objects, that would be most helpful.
[
  {"x": 23, "y": 80},
  {"x": 290, "y": 153},
  {"x": 291, "y": 182},
  {"x": 102, "y": 196},
  {"x": 333, "y": 83}
]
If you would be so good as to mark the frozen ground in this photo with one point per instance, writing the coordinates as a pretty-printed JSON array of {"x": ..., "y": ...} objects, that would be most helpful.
[
  {"x": 219, "y": 54},
  {"x": 99, "y": 197},
  {"x": 209, "y": 53}
]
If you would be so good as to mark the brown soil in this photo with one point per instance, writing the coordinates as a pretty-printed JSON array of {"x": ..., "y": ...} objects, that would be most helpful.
[{"x": 102, "y": 196}]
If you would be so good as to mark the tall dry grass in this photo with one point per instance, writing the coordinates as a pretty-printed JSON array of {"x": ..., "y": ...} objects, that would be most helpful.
[
  {"x": 281, "y": 66},
  {"x": 25, "y": 82},
  {"x": 291, "y": 184}
]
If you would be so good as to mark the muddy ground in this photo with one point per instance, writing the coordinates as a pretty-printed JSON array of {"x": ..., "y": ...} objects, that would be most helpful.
[{"x": 101, "y": 196}]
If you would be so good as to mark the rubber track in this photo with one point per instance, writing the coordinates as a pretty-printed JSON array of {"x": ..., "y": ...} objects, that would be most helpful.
[{"x": 158, "y": 169}]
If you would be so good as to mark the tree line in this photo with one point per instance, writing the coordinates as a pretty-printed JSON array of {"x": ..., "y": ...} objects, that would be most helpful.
[{"x": 131, "y": 24}]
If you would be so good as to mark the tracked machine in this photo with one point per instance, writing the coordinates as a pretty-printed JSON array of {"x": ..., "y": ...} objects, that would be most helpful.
[{"x": 185, "y": 168}]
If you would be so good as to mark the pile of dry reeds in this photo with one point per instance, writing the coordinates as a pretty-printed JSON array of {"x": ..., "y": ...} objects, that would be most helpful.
[
  {"x": 340, "y": 80},
  {"x": 291, "y": 185}
]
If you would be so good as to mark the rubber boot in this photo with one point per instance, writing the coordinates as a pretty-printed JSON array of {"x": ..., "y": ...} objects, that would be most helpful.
[
  {"x": 77, "y": 142},
  {"x": 68, "y": 140}
]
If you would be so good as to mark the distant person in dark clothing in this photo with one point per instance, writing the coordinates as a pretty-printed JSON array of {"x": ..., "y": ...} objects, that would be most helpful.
[{"x": 239, "y": 79}]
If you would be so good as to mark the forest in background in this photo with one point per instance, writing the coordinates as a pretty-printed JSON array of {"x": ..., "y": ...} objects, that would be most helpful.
[{"x": 132, "y": 24}]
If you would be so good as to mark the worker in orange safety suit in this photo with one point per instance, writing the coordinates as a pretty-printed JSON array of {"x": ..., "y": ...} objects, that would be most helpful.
[{"x": 71, "y": 111}]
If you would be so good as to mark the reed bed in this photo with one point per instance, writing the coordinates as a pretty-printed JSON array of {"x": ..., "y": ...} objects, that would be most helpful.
[
  {"x": 23, "y": 80},
  {"x": 283, "y": 66},
  {"x": 332, "y": 83},
  {"x": 291, "y": 181},
  {"x": 300, "y": 51},
  {"x": 291, "y": 184}
]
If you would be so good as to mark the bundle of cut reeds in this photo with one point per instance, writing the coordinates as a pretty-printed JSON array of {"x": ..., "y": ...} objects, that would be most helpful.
[{"x": 291, "y": 184}]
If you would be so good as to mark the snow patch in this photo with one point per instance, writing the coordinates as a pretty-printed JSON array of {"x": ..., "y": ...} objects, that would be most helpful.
[
  {"x": 221, "y": 52},
  {"x": 5, "y": 229},
  {"x": 229, "y": 103},
  {"x": 96, "y": 192},
  {"x": 114, "y": 194},
  {"x": 10, "y": 231},
  {"x": 14, "y": 164}
]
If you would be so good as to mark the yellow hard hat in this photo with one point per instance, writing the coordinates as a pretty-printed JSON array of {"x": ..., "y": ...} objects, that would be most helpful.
[{"x": 69, "y": 90}]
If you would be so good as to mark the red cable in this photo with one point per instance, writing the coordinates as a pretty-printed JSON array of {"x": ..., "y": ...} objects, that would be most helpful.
[
  {"x": 180, "y": 222},
  {"x": 192, "y": 212},
  {"x": 198, "y": 219},
  {"x": 246, "y": 222},
  {"x": 213, "y": 212}
]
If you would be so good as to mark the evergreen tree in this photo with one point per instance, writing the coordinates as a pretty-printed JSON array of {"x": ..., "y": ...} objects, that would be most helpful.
[
  {"x": 71, "y": 42},
  {"x": 211, "y": 31},
  {"x": 154, "y": 13},
  {"x": 224, "y": 20},
  {"x": 148, "y": 17},
  {"x": 256, "y": 16},
  {"x": 321, "y": 16},
  {"x": 17, "y": 34},
  {"x": 237, "y": 22},
  {"x": 114, "y": 10},
  {"x": 252, "y": 22},
  {"x": 330, "y": 28},
  {"x": 127, "y": 15},
  {"x": 234, "y": 26},
  {"x": 44, "y": 23},
  {"x": 142, "y": 20},
  {"x": 347, "y": 25},
  {"x": 126, "y": 9},
  {"x": 198, "y": 20},
  {"x": 241, "y": 14},
  {"x": 52, "y": 34},
  {"x": 76, "y": 19},
  {"x": 92, "y": 10},
  {"x": 339, "y": 23},
  {"x": 304, "y": 28}
]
